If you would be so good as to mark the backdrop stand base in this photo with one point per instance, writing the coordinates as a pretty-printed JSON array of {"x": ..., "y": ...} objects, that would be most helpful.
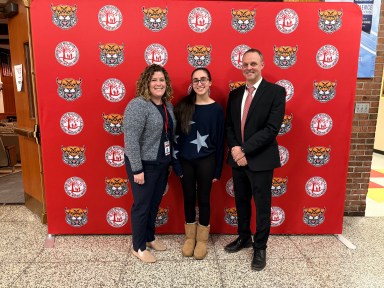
[
  {"x": 49, "y": 241},
  {"x": 345, "y": 241}
]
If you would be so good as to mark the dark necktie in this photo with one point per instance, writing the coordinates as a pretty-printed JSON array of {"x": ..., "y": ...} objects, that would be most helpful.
[{"x": 247, "y": 104}]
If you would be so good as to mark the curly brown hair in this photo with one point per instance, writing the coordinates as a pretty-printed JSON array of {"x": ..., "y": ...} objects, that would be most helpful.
[{"x": 142, "y": 85}]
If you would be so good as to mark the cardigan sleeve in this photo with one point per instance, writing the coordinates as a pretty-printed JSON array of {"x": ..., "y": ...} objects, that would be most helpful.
[{"x": 134, "y": 122}]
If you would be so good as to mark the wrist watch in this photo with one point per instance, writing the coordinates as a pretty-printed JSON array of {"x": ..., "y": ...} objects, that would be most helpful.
[{"x": 242, "y": 149}]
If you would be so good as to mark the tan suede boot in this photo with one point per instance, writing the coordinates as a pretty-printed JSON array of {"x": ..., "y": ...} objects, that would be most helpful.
[
  {"x": 190, "y": 239},
  {"x": 202, "y": 242}
]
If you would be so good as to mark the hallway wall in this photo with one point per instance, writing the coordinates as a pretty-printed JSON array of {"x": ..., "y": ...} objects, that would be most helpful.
[{"x": 363, "y": 133}]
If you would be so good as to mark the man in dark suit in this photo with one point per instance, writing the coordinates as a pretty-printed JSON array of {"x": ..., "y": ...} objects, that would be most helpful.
[{"x": 252, "y": 124}]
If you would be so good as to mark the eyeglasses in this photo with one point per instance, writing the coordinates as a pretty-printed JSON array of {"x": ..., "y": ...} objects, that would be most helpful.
[{"x": 202, "y": 80}]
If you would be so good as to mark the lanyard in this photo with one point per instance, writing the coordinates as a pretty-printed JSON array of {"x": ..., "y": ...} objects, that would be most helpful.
[{"x": 166, "y": 121}]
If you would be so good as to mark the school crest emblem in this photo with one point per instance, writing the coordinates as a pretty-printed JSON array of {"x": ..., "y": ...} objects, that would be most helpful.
[
  {"x": 327, "y": 56},
  {"x": 321, "y": 124},
  {"x": 289, "y": 89},
  {"x": 316, "y": 187},
  {"x": 114, "y": 156},
  {"x": 67, "y": 54},
  {"x": 71, "y": 123},
  {"x": 110, "y": 18},
  {"x": 287, "y": 21},
  {"x": 117, "y": 217},
  {"x": 277, "y": 216},
  {"x": 237, "y": 55},
  {"x": 199, "y": 20},
  {"x": 156, "y": 54},
  {"x": 75, "y": 187}
]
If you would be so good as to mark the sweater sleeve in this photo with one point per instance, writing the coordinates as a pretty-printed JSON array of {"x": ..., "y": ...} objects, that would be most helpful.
[{"x": 134, "y": 122}]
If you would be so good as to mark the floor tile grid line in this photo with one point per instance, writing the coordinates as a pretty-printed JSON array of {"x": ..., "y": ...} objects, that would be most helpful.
[
  {"x": 297, "y": 246},
  {"x": 216, "y": 258},
  {"x": 23, "y": 271}
]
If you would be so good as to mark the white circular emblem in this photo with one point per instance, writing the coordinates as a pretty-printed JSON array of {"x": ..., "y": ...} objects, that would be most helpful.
[
  {"x": 115, "y": 156},
  {"x": 67, "y": 53},
  {"x": 327, "y": 56},
  {"x": 289, "y": 89},
  {"x": 284, "y": 155},
  {"x": 316, "y": 187},
  {"x": 237, "y": 55},
  {"x": 287, "y": 21},
  {"x": 277, "y": 216},
  {"x": 229, "y": 187},
  {"x": 321, "y": 124},
  {"x": 75, "y": 187},
  {"x": 199, "y": 20},
  {"x": 110, "y": 18},
  {"x": 156, "y": 54},
  {"x": 117, "y": 217},
  {"x": 113, "y": 90},
  {"x": 71, "y": 123}
]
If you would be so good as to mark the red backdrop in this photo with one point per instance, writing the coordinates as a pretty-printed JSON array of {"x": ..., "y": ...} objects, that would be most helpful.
[{"x": 82, "y": 93}]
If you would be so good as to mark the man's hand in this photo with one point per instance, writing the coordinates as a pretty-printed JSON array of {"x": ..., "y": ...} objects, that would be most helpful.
[
  {"x": 242, "y": 162},
  {"x": 236, "y": 153}
]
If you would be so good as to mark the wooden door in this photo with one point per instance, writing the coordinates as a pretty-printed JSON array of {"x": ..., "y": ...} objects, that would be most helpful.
[{"x": 26, "y": 111}]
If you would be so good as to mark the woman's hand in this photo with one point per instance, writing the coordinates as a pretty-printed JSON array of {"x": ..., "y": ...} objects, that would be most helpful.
[
  {"x": 139, "y": 178},
  {"x": 214, "y": 180}
]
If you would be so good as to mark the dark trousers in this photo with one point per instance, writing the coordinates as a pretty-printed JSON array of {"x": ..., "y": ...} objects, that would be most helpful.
[
  {"x": 197, "y": 179},
  {"x": 146, "y": 202},
  {"x": 247, "y": 183}
]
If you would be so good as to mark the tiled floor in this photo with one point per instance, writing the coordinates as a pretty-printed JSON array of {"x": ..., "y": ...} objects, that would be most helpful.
[
  {"x": 375, "y": 196},
  {"x": 105, "y": 261}
]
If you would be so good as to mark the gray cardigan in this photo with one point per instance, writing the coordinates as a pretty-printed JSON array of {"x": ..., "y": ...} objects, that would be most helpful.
[{"x": 142, "y": 127}]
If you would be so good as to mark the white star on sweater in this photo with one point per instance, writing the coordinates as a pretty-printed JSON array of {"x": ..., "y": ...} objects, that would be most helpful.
[
  {"x": 200, "y": 141},
  {"x": 174, "y": 154}
]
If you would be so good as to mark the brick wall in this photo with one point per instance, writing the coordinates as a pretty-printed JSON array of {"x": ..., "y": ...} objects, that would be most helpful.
[{"x": 363, "y": 134}]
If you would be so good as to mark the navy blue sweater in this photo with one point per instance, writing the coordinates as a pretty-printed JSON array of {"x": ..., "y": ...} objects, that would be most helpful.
[{"x": 205, "y": 137}]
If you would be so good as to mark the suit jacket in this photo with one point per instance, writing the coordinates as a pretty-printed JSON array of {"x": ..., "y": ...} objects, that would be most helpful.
[{"x": 263, "y": 123}]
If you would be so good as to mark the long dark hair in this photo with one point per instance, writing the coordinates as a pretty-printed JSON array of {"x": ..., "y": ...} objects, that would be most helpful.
[{"x": 186, "y": 107}]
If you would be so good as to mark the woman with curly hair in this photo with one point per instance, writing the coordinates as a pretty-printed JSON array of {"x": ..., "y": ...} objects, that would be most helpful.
[{"x": 148, "y": 134}]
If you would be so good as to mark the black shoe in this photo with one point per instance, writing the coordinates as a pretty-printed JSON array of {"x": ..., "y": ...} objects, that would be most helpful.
[
  {"x": 238, "y": 244},
  {"x": 259, "y": 259}
]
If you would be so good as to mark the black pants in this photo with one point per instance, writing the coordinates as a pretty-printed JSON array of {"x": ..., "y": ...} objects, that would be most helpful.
[
  {"x": 197, "y": 179},
  {"x": 146, "y": 202},
  {"x": 247, "y": 183}
]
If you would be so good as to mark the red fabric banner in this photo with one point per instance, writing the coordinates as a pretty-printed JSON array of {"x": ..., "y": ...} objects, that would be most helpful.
[{"x": 89, "y": 54}]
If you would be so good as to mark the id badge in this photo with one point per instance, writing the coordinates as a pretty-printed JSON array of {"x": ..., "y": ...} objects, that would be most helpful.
[{"x": 167, "y": 148}]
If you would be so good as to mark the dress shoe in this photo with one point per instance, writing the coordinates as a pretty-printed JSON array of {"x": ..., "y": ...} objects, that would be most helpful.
[
  {"x": 157, "y": 245},
  {"x": 144, "y": 256},
  {"x": 238, "y": 244},
  {"x": 259, "y": 259}
]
